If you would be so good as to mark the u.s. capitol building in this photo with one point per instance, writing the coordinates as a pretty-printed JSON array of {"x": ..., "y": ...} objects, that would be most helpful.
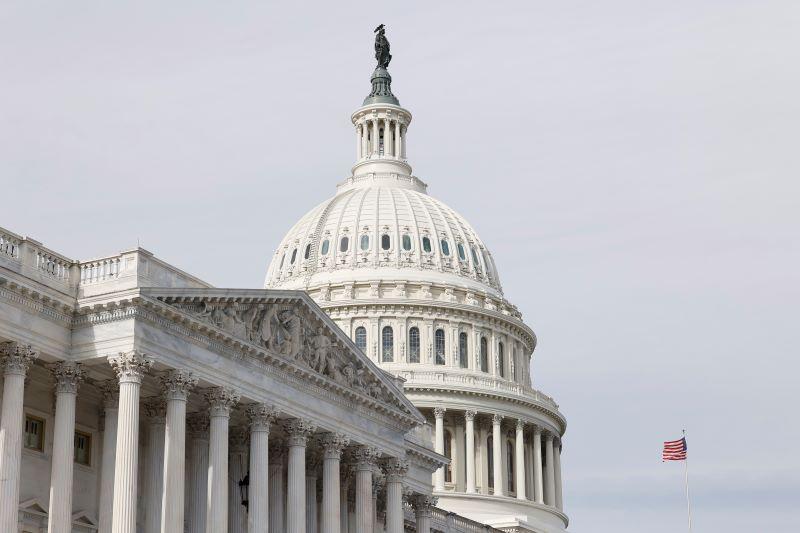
[{"x": 379, "y": 382}]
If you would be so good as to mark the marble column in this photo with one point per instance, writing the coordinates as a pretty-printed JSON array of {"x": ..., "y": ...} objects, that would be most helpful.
[
  {"x": 557, "y": 472},
  {"x": 497, "y": 455},
  {"x": 15, "y": 360},
  {"x": 344, "y": 501},
  {"x": 313, "y": 460},
  {"x": 397, "y": 139},
  {"x": 519, "y": 460},
  {"x": 332, "y": 446},
  {"x": 483, "y": 434},
  {"x": 277, "y": 453},
  {"x": 538, "y": 482},
  {"x": 110, "y": 390},
  {"x": 365, "y": 459},
  {"x": 176, "y": 386},
  {"x": 221, "y": 401},
  {"x": 197, "y": 484},
  {"x": 238, "y": 445},
  {"x": 388, "y": 141},
  {"x": 549, "y": 478},
  {"x": 438, "y": 413},
  {"x": 396, "y": 470},
  {"x": 68, "y": 375},
  {"x": 375, "y": 137},
  {"x": 130, "y": 368},
  {"x": 529, "y": 490},
  {"x": 469, "y": 417},
  {"x": 423, "y": 510},
  {"x": 156, "y": 411},
  {"x": 261, "y": 416},
  {"x": 297, "y": 431},
  {"x": 359, "y": 142}
]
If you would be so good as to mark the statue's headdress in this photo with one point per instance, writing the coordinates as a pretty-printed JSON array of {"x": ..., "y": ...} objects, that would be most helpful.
[{"x": 379, "y": 28}]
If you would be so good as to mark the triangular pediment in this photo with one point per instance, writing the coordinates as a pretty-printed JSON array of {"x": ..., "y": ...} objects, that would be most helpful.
[
  {"x": 84, "y": 519},
  {"x": 33, "y": 506},
  {"x": 289, "y": 327}
]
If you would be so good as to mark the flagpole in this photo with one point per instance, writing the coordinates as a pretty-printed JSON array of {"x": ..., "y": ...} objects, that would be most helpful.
[{"x": 686, "y": 471}]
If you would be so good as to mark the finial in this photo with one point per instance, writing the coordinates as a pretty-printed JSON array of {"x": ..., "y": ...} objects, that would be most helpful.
[{"x": 381, "y": 80}]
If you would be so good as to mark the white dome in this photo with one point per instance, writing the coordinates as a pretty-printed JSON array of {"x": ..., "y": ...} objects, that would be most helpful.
[{"x": 380, "y": 228}]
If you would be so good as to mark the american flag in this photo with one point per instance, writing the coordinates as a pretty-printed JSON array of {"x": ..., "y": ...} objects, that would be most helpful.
[{"x": 674, "y": 450}]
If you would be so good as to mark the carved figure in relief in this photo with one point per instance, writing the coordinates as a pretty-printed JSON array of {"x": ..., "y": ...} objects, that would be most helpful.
[
  {"x": 321, "y": 345},
  {"x": 289, "y": 333},
  {"x": 264, "y": 329}
]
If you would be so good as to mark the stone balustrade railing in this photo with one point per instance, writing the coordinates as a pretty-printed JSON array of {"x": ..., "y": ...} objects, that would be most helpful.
[
  {"x": 100, "y": 270},
  {"x": 447, "y": 522},
  {"x": 9, "y": 244},
  {"x": 33, "y": 257}
]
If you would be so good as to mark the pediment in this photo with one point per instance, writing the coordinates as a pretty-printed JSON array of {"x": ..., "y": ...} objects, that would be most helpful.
[
  {"x": 288, "y": 326},
  {"x": 84, "y": 519},
  {"x": 33, "y": 506}
]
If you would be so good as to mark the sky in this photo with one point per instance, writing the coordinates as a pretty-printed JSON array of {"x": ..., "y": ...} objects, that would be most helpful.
[{"x": 633, "y": 166}]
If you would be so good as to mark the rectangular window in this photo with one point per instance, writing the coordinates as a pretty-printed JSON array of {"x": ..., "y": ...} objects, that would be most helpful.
[
  {"x": 34, "y": 433},
  {"x": 83, "y": 448}
]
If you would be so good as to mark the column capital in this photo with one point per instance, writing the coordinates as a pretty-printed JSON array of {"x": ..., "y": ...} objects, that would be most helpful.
[
  {"x": 313, "y": 462},
  {"x": 197, "y": 424},
  {"x": 238, "y": 439},
  {"x": 365, "y": 457},
  {"x": 549, "y": 436},
  {"x": 16, "y": 358},
  {"x": 68, "y": 374},
  {"x": 261, "y": 416},
  {"x": 424, "y": 505},
  {"x": 470, "y": 414},
  {"x": 395, "y": 469},
  {"x": 438, "y": 412},
  {"x": 130, "y": 366},
  {"x": 333, "y": 444},
  {"x": 520, "y": 424},
  {"x": 497, "y": 419},
  {"x": 177, "y": 383},
  {"x": 109, "y": 388},
  {"x": 298, "y": 430},
  {"x": 537, "y": 430},
  {"x": 277, "y": 451},
  {"x": 156, "y": 410},
  {"x": 221, "y": 400}
]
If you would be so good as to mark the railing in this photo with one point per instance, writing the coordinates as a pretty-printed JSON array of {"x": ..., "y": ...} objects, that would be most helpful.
[
  {"x": 31, "y": 255},
  {"x": 9, "y": 244},
  {"x": 100, "y": 270},
  {"x": 447, "y": 522},
  {"x": 51, "y": 264}
]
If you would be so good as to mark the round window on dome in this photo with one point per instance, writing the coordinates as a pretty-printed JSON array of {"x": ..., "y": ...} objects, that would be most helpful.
[
  {"x": 365, "y": 242},
  {"x": 326, "y": 244},
  {"x": 461, "y": 253},
  {"x": 407, "y": 242},
  {"x": 294, "y": 256},
  {"x": 426, "y": 244},
  {"x": 344, "y": 244},
  {"x": 307, "y": 253},
  {"x": 386, "y": 241},
  {"x": 445, "y": 247}
]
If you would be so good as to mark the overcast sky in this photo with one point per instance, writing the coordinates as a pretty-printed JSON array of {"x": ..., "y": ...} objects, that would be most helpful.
[{"x": 633, "y": 167}]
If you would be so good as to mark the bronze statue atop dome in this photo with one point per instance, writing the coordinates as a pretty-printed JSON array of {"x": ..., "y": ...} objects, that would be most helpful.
[{"x": 382, "y": 47}]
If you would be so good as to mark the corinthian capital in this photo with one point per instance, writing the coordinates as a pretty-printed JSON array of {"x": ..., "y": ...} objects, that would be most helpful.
[
  {"x": 395, "y": 469},
  {"x": 156, "y": 410},
  {"x": 16, "y": 358},
  {"x": 130, "y": 366},
  {"x": 423, "y": 505},
  {"x": 68, "y": 374},
  {"x": 261, "y": 416},
  {"x": 110, "y": 391},
  {"x": 177, "y": 384},
  {"x": 365, "y": 457},
  {"x": 497, "y": 419},
  {"x": 469, "y": 414},
  {"x": 438, "y": 412},
  {"x": 221, "y": 400},
  {"x": 298, "y": 430},
  {"x": 197, "y": 424},
  {"x": 333, "y": 444}
]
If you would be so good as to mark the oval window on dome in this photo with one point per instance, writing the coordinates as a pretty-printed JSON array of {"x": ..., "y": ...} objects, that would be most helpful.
[
  {"x": 386, "y": 242},
  {"x": 344, "y": 244},
  {"x": 307, "y": 253},
  {"x": 461, "y": 253},
  {"x": 365, "y": 242},
  {"x": 294, "y": 256},
  {"x": 445, "y": 247},
  {"x": 426, "y": 244},
  {"x": 326, "y": 244},
  {"x": 407, "y": 242}
]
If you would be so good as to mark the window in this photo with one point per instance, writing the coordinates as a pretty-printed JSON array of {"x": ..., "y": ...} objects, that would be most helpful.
[
  {"x": 501, "y": 360},
  {"x": 461, "y": 254},
  {"x": 388, "y": 344},
  {"x": 510, "y": 466},
  {"x": 83, "y": 448},
  {"x": 448, "y": 452},
  {"x": 326, "y": 244},
  {"x": 386, "y": 242},
  {"x": 361, "y": 338},
  {"x": 344, "y": 244},
  {"x": 440, "y": 357},
  {"x": 445, "y": 247},
  {"x": 365, "y": 242},
  {"x": 514, "y": 364},
  {"x": 294, "y": 256},
  {"x": 484, "y": 355},
  {"x": 407, "y": 242},
  {"x": 426, "y": 244},
  {"x": 413, "y": 345},
  {"x": 490, "y": 460},
  {"x": 307, "y": 253},
  {"x": 282, "y": 259},
  {"x": 463, "y": 356},
  {"x": 34, "y": 433}
]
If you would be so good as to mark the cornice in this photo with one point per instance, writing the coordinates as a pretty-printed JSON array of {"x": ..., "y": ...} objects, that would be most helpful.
[{"x": 37, "y": 301}]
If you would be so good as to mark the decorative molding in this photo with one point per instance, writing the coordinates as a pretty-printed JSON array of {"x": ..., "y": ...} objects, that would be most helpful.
[
  {"x": 68, "y": 375},
  {"x": 177, "y": 383},
  {"x": 130, "y": 366},
  {"x": 261, "y": 416},
  {"x": 221, "y": 400},
  {"x": 16, "y": 358}
]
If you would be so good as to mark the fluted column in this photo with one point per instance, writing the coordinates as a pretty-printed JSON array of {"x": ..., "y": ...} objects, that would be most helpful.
[
  {"x": 375, "y": 137},
  {"x": 197, "y": 489},
  {"x": 238, "y": 445},
  {"x": 359, "y": 142},
  {"x": 365, "y": 459},
  {"x": 519, "y": 460},
  {"x": 15, "y": 360},
  {"x": 261, "y": 416},
  {"x": 396, "y": 151},
  {"x": 176, "y": 386},
  {"x": 497, "y": 455},
  {"x": 469, "y": 417},
  {"x": 332, "y": 446},
  {"x": 557, "y": 476},
  {"x": 538, "y": 482},
  {"x": 297, "y": 431},
  {"x": 423, "y": 510},
  {"x": 313, "y": 460},
  {"x": 221, "y": 401},
  {"x": 483, "y": 435},
  {"x": 156, "y": 411},
  {"x": 344, "y": 490},
  {"x": 388, "y": 139},
  {"x": 549, "y": 478},
  {"x": 110, "y": 390},
  {"x": 67, "y": 375},
  {"x": 130, "y": 368},
  {"x": 396, "y": 470},
  {"x": 277, "y": 453},
  {"x": 438, "y": 413}
]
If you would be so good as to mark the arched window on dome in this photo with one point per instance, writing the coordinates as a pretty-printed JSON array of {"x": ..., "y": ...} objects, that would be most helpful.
[
  {"x": 386, "y": 241},
  {"x": 361, "y": 338},
  {"x": 475, "y": 262},
  {"x": 326, "y": 245},
  {"x": 445, "y": 247},
  {"x": 490, "y": 460},
  {"x": 307, "y": 253},
  {"x": 501, "y": 359},
  {"x": 463, "y": 355},
  {"x": 344, "y": 244},
  {"x": 461, "y": 253},
  {"x": 407, "y": 242},
  {"x": 448, "y": 452},
  {"x": 413, "y": 345},
  {"x": 364, "y": 243},
  {"x": 294, "y": 256},
  {"x": 387, "y": 344},
  {"x": 440, "y": 353},
  {"x": 426, "y": 244},
  {"x": 484, "y": 355},
  {"x": 283, "y": 258},
  {"x": 510, "y": 466}
]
